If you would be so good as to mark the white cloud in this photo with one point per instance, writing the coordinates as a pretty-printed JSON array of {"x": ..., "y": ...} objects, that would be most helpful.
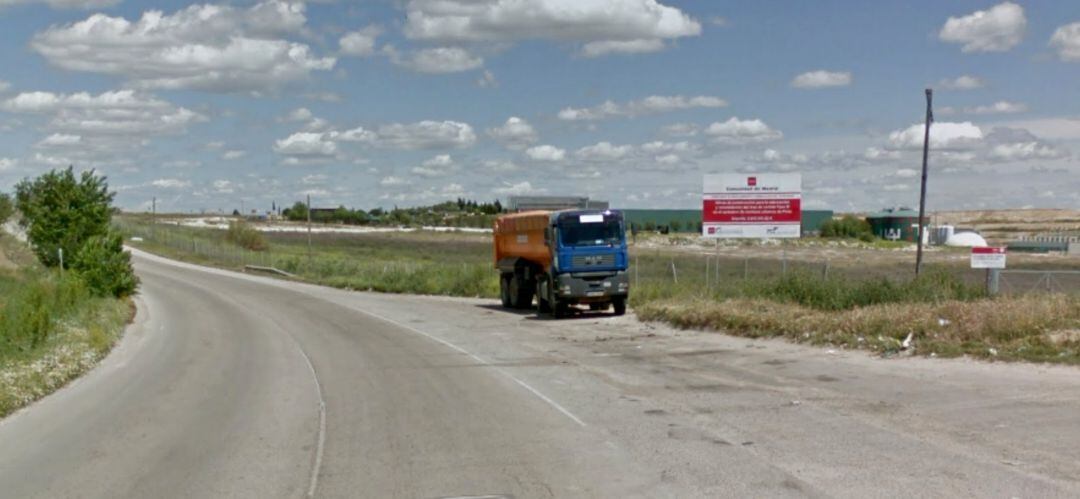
[
  {"x": 518, "y": 189},
  {"x": 108, "y": 125},
  {"x": 999, "y": 107},
  {"x": 7, "y": 164},
  {"x": 437, "y": 60},
  {"x": 360, "y": 43},
  {"x": 659, "y": 146},
  {"x": 437, "y": 166},
  {"x": 997, "y": 29},
  {"x": 499, "y": 166},
  {"x": 607, "y": 47},
  {"x": 487, "y": 80},
  {"x": 905, "y": 173},
  {"x": 218, "y": 48},
  {"x": 393, "y": 181},
  {"x": 426, "y": 135},
  {"x": 60, "y": 140},
  {"x": 603, "y": 151},
  {"x": 314, "y": 179},
  {"x": 650, "y": 105},
  {"x": 306, "y": 145},
  {"x": 1066, "y": 40},
  {"x": 4, "y": 86},
  {"x": 222, "y": 186},
  {"x": 1019, "y": 151},
  {"x": 170, "y": 183},
  {"x": 299, "y": 114},
  {"x": 545, "y": 153},
  {"x": 516, "y": 133},
  {"x": 943, "y": 135},
  {"x": 680, "y": 130},
  {"x": 962, "y": 82},
  {"x": 233, "y": 155},
  {"x": 737, "y": 132},
  {"x": 603, "y": 26},
  {"x": 822, "y": 79}
]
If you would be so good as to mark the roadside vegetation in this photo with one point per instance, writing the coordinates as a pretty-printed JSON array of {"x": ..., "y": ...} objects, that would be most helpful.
[
  {"x": 460, "y": 213},
  {"x": 848, "y": 303},
  {"x": 63, "y": 296}
]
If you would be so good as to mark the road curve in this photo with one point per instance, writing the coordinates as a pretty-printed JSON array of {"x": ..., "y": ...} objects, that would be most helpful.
[{"x": 230, "y": 385}]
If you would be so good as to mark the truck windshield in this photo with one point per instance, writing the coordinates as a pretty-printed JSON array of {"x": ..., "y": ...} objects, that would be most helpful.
[{"x": 572, "y": 232}]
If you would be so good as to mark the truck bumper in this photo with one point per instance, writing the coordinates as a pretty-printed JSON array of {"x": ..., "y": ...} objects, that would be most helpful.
[{"x": 592, "y": 288}]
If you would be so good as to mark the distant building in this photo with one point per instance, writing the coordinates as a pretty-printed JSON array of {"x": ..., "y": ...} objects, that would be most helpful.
[
  {"x": 896, "y": 224},
  {"x": 553, "y": 203}
]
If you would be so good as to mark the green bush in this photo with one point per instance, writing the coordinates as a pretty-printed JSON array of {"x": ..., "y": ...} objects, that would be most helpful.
[
  {"x": 245, "y": 236},
  {"x": 31, "y": 309},
  {"x": 61, "y": 211},
  {"x": 106, "y": 267},
  {"x": 6, "y": 208},
  {"x": 849, "y": 226}
]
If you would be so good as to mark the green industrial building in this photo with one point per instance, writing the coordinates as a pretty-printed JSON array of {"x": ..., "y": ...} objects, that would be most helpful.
[
  {"x": 690, "y": 220},
  {"x": 896, "y": 224}
]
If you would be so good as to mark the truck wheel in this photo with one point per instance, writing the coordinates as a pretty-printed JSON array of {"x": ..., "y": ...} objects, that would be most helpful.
[
  {"x": 520, "y": 293},
  {"x": 542, "y": 305},
  {"x": 596, "y": 307},
  {"x": 504, "y": 291},
  {"x": 620, "y": 305}
]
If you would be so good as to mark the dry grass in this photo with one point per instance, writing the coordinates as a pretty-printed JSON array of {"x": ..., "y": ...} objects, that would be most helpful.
[{"x": 1036, "y": 328}]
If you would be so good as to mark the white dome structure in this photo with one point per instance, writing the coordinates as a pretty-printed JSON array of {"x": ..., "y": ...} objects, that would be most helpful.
[{"x": 966, "y": 240}]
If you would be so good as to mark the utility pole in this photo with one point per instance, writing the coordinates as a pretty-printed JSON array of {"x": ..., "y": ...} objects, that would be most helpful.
[
  {"x": 309, "y": 229},
  {"x": 922, "y": 191},
  {"x": 153, "y": 218}
]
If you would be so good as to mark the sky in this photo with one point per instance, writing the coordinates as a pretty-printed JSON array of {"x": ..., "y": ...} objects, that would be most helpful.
[{"x": 380, "y": 103}]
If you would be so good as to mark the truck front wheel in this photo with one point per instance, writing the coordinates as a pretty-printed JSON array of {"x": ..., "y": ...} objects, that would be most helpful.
[{"x": 619, "y": 304}]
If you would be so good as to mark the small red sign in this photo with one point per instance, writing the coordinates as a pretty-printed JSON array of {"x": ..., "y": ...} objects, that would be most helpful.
[
  {"x": 751, "y": 181},
  {"x": 988, "y": 250}
]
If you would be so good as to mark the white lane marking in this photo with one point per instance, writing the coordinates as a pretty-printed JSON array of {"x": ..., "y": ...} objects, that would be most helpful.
[
  {"x": 314, "y": 480},
  {"x": 479, "y": 359}
]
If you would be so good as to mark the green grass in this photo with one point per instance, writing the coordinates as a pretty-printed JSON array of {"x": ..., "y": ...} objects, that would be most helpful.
[{"x": 51, "y": 328}]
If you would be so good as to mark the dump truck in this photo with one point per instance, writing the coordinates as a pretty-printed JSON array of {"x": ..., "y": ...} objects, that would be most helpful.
[{"x": 562, "y": 259}]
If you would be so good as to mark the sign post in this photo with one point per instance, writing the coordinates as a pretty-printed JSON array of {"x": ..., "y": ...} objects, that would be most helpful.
[
  {"x": 993, "y": 260},
  {"x": 764, "y": 205}
]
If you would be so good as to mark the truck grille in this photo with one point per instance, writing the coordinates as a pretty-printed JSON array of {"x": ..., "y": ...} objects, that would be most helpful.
[{"x": 593, "y": 261}]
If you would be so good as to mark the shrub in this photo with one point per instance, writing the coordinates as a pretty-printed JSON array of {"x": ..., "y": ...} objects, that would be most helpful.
[
  {"x": 6, "y": 208},
  {"x": 106, "y": 267},
  {"x": 245, "y": 236},
  {"x": 30, "y": 311},
  {"x": 62, "y": 212},
  {"x": 848, "y": 226}
]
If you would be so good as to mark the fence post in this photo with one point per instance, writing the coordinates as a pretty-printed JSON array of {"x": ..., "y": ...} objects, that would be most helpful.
[
  {"x": 825, "y": 270},
  {"x": 783, "y": 259},
  {"x": 707, "y": 273},
  {"x": 674, "y": 272},
  {"x": 993, "y": 280}
]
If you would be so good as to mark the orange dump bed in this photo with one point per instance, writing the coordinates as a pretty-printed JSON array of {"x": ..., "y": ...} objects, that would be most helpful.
[{"x": 521, "y": 235}]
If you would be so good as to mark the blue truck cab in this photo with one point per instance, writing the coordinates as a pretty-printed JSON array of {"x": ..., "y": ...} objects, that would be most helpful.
[{"x": 589, "y": 262}]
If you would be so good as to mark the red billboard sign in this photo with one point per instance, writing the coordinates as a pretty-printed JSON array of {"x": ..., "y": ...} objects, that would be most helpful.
[{"x": 752, "y": 206}]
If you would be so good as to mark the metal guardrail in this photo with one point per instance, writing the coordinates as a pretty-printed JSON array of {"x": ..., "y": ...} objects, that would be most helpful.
[{"x": 272, "y": 270}]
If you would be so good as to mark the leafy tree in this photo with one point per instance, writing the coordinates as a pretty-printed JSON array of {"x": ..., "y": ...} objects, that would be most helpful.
[
  {"x": 7, "y": 208},
  {"x": 848, "y": 226},
  {"x": 105, "y": 267},
  {"x": 61, "y": 211}
]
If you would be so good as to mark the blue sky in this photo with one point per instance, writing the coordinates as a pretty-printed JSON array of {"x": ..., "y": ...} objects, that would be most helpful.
[{"x": 385, "y": 103}]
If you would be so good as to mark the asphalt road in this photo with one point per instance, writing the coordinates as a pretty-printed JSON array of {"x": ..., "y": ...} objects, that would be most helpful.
[{"x": 239, "y": 386}]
